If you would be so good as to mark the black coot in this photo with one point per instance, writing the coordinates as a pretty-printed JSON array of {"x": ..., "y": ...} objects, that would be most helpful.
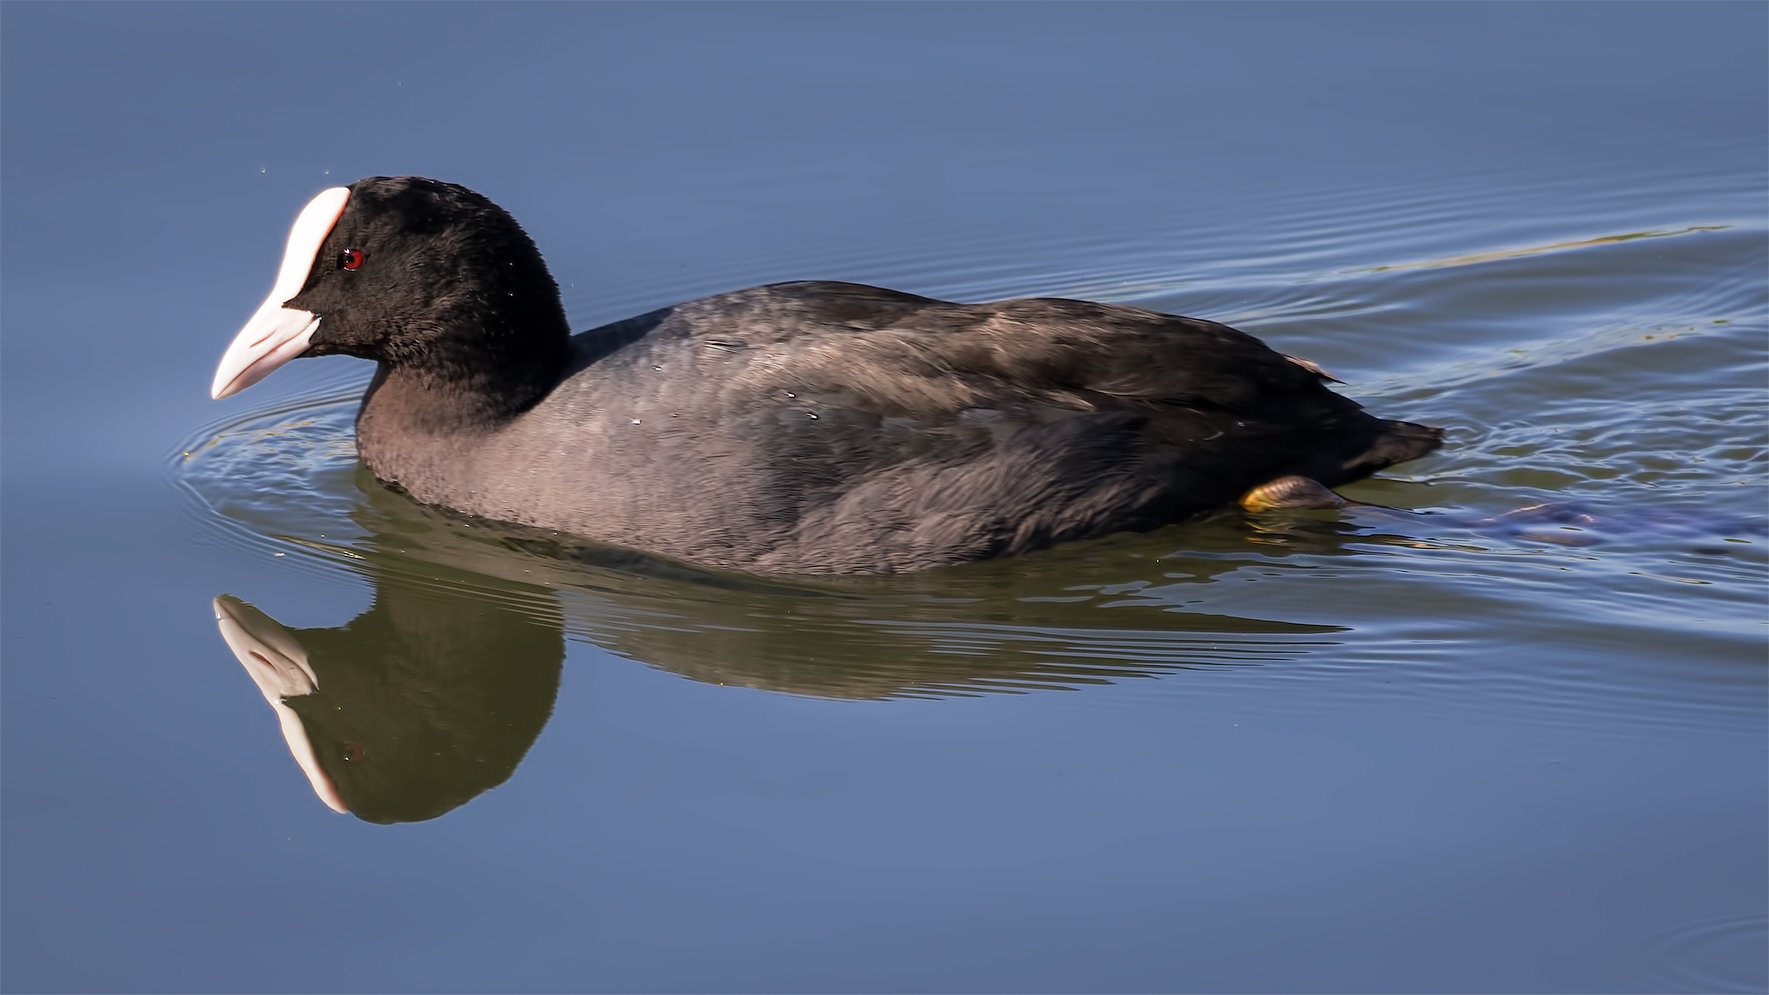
[{"x": 809, "y": 427}]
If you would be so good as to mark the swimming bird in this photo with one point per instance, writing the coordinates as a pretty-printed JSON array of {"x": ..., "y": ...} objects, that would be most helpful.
[{"x": 793, "y": 428}]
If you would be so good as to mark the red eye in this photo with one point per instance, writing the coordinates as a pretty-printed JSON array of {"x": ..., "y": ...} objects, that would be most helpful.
[{"x": 350, "y": 259}]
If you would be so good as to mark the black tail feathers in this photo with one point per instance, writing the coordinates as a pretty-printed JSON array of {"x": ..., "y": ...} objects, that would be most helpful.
[{"x": 1401, "y": 441}]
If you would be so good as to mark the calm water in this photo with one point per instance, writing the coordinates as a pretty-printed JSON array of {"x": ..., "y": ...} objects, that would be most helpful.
[{"x": 1439, "y": 745}]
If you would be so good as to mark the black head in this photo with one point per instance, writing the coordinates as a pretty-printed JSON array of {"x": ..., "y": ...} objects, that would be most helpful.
[{"x": 430, "y": 279}]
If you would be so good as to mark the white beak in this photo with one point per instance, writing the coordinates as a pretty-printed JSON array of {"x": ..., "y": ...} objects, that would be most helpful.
[{"x": 277, "y": 334}]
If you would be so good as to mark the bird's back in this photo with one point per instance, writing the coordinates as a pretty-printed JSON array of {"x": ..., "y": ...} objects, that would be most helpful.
[{"x": 826, "y": 427}]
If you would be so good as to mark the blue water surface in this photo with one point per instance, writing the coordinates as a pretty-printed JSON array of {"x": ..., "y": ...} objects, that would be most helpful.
[{"x": 1500, "y": 729}]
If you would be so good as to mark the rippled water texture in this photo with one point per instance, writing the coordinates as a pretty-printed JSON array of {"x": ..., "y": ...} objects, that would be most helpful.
[
  {"x": 1499, "y": 726},
  {"x": 1601, "y": 520}
]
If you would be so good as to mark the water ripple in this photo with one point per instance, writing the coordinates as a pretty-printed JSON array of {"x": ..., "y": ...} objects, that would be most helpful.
[{"x": 1718, "y": 954}]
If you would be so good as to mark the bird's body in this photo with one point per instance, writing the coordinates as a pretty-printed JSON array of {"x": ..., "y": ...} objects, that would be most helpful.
[{"x": 809, "y": 427}]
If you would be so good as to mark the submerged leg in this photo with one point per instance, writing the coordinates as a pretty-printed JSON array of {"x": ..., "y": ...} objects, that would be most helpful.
[{"x": 1291, "y": 492}]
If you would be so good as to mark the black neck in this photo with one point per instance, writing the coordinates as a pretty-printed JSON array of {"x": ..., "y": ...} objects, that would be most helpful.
[{"x": 484, "y": 363}]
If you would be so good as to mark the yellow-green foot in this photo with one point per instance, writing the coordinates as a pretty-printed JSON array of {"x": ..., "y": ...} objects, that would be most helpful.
[{"x": 1291, "y": 492}]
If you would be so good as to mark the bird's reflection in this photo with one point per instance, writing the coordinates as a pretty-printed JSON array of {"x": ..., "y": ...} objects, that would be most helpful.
[
  {"x": 414, "y": 708},
  {"x": 434, "y": 694}
]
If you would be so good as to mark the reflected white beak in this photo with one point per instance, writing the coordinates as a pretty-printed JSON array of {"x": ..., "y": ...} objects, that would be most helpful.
[
  {"x": 278, "y": 665},
  {"x": 276, "y": 334}
]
